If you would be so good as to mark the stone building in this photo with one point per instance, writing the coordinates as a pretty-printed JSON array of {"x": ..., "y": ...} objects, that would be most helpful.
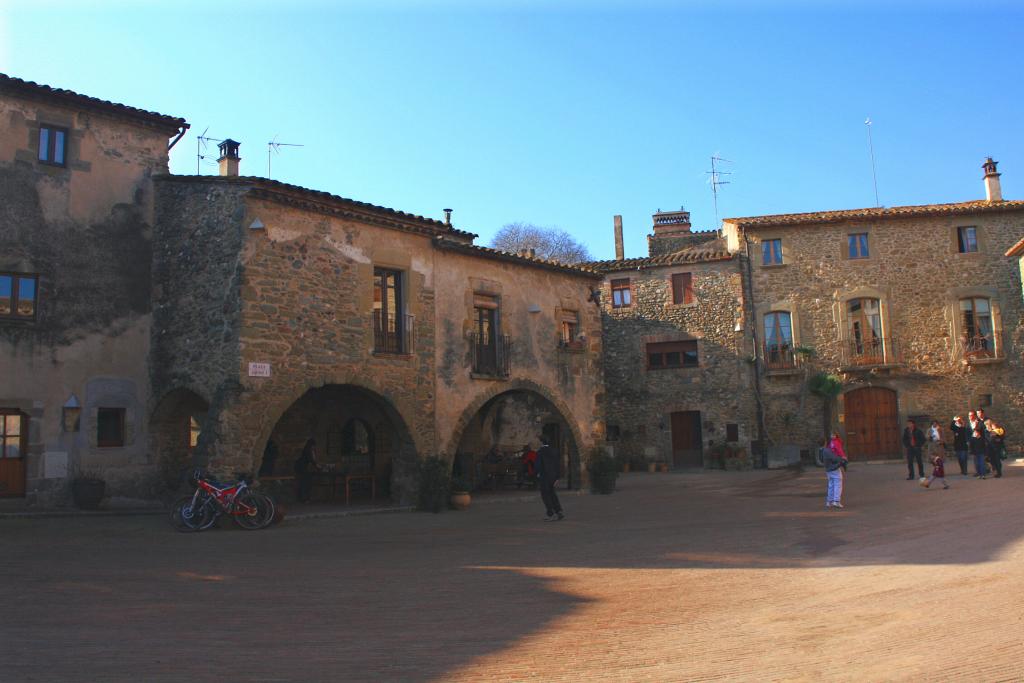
[
  {"x": 677, "y": 370},
  {"x": 148, "y": 320},
  {"x": 915, "y": 309},
  {"x": 76, "y": 226}
]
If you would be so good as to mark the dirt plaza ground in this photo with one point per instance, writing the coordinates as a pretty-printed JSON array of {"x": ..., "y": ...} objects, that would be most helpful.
[{"x": 694, "y": 576}]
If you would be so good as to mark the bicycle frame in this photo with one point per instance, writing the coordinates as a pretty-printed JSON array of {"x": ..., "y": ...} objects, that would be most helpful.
[{"x": 227, "y": 498}]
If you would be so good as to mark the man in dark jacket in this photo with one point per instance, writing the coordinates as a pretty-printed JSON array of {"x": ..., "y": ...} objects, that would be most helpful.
[
  {"x": 913, "y": 441},
  {"x": 959, "y": 430},
  {"x": 549, "y": 471}
]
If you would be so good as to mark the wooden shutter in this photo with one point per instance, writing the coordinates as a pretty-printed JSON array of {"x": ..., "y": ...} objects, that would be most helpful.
[{"x": 682, "y": 288}]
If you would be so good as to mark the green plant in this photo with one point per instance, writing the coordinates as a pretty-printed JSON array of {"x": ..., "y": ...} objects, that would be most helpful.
[
  {"x": 805, "y": 351},
  {"x": 603, "y": 470},
  {"x": 827, "y": 387},
  {"x": 434, "y": 484},
  {"x": 459, "y": 485}
]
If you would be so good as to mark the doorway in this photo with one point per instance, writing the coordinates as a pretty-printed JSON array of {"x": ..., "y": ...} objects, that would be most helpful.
[
  {"x": 687, "y": 446},
  {"x": 13, "y": 448},
  {"x": 872, "y": 424}
]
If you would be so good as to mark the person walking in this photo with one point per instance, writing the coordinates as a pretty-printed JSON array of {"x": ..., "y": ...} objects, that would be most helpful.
[
  {"x": 836, "y": 444},
  {"x": 959, "y": 431},
  {"x": 304, "y": 468},
  {"x": 936, "y": 440},
  {"x": 913, "y": 441},
  {"x": 994, "y": 446},
  {"x": 549, "y": 471},
  {"x": 976, "y": 444},
  {"x": 833, "y": 475}
]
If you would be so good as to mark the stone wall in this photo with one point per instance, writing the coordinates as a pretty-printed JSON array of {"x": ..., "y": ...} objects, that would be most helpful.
[
  {"x": 640, "y": 401},
  {"x": 85, "y": 229},
  {"x": 916, "y": 272}
]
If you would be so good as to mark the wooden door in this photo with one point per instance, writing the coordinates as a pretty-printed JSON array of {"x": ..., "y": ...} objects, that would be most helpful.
[
  {"x": 872, "y": 424},
  {"x": 686, "y": 442},
  {"x": 13, "y": 448}
]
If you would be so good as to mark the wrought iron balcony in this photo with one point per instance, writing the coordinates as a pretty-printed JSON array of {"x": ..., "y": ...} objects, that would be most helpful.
[
  {"x": 492, "y": 355},
  {"x": 871, "y": 352},
  {"x": 393, "y": 335},
  {"x": 980, "y": 347},
  {"x": 779, "y": 356}
]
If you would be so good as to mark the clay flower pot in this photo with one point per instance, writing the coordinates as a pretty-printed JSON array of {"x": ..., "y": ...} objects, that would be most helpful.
[
  {"x": 460, "y": 500},
  {"x": 652, "y": 467},
  {"x": 87, "y": 492}
]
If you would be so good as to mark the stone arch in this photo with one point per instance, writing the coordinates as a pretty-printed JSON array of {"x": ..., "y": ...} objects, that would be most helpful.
[
  {"x": 473, "y": 409},
  {"x": 322, "y": 410},
  {"x": 170, "y": 433}
]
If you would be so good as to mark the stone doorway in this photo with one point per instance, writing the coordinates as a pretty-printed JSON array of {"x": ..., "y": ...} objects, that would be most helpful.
[
  {"x": 489, "y": 453},
  {"x": 174, "y": 431},
  {"x": 687, "y": 445},
  {"x": 361, "y": 443},
  {"x": 872, "y": 424}
]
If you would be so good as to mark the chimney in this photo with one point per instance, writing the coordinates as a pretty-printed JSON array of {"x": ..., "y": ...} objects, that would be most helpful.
[
  {"x": 229, "y": 157},
  {"x": 447, "y": 216},
  {"x": 620, "y": 250},
  {"x": 671, "y": 222},
  {"x": 993, "y": 192}
]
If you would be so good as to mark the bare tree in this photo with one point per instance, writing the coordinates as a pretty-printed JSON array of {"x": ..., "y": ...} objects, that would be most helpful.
[{"x": 548, "y": 243}]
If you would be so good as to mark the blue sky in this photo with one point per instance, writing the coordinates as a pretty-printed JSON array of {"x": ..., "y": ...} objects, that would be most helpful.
[{"x": 563, "y": 114}]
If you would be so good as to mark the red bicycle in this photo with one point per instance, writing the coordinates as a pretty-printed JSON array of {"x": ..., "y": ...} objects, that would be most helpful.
[{"x": 250, "y": 509}]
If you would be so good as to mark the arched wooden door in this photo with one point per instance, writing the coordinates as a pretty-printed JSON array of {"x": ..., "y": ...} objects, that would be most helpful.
[{"x": 872, "y": 424}]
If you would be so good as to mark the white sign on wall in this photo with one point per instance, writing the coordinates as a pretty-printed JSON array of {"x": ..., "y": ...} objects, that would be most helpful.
[
  {"x": 259, "y": 369},
  {"x": 55, "y": 465}
]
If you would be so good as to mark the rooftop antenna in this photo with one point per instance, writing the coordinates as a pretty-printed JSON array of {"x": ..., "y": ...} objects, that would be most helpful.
[
  {"x": 275, "y": 147},
  {"x": 871, "y": 149},
  {"x": 201, "y": 147},
  {"x": 715, "y": 179}
]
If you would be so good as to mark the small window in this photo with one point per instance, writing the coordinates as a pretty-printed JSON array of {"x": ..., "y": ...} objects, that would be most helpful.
[
  {"x": 18, "y": 293},
  {"x": 967, "y": 240},
  {"x": 984, "y": 401},
  {"x": 979, "y": 338},
  {"x": 388, "y": 322},
  {"x": 622, "y": 294},
  {"x": 569, "y": 331},
  {"x": 612, "y": 433},
  {"x": 771, "y": 252},
  {"x": 857, "y": 245},
  {"x": 665, "y": 355},
  {"x": 12, "y": 433},
  {"x": 52, "y": 143},
  {"x": 110, "y": 427},
  {"x": 732, "y": 432},
  {"x": 194, "y": 428},
  {"x": 682, "y": 288}
]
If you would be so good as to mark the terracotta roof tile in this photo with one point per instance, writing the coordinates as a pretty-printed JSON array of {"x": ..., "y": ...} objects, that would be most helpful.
[
  {"x": 486, "y": 252},
  {"x": 712, "y": 250},
  {"x": 1017, "y": 249},
  {"x": 32, "y": 89},
  {"x": 977, "y": 206}
]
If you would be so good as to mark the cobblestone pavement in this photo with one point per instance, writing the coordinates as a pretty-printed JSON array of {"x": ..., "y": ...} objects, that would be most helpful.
[{"x": 709, "y": 575}]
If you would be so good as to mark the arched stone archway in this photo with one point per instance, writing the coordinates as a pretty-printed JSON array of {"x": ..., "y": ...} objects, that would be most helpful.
[
  {"x": 327, "y": 414},
  {"x": 498, "y": 423},
  {"x": 174, "y": 429}
]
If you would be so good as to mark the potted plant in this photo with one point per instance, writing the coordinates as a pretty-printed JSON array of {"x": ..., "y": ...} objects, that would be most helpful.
[
  {"x": 459, "y": 498},
  {"x": 603, "y": 470},
  {"x": 662, "y": 466},
  {"x": 434, "y": 480},
  {"x": 87, "y": 490}
]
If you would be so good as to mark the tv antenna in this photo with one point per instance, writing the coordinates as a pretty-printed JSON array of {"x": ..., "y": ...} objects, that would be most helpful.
[
  {"x": 715, "y": 178},
  {"x": 201, "y": 147},
  {"x": 871, "y": 150},
  {"x": 275, "y": 147}
]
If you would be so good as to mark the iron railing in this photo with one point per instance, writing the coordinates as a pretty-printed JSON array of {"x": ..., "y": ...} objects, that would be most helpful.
[
  {"x": 393, "y": 335},
  {"x": 779, "y": 356},
  {"x": 980, "y": 346},
  {"x": 874, "y": 351},
  {"x": 492, "y": 355}
]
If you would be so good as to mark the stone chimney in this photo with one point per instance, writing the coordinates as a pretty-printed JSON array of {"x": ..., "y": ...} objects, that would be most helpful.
[
  {"x": 229, "y": 157},
  {"x": 620, "y": 249},
  {"x": 671, "y": 222},
  {"x": 993, "y": 192}
]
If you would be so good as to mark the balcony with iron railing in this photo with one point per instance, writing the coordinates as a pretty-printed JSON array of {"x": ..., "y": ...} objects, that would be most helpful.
[
  {"x": 871, "y": 353},
  {"x": 780, "y": 358},
  {"x": 393, "y": 335},
  {"x": 981, "y": 348},
  {"x": 492, "y": 355}
]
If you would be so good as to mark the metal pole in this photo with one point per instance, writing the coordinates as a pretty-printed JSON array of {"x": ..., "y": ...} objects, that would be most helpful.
[{"x": 871, "y": 149}]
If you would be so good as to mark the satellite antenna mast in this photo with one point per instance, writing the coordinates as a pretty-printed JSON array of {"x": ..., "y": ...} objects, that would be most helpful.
[
  {"x": 201, "y": 147},
  {"x": 275, "y": 147},
  {"x": 871, "y": 149},
  {"x": 715, "y": 179}
]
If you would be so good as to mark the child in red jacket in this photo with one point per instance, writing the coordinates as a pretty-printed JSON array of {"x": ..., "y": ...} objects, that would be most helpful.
[{"x": 938, "y": 471}]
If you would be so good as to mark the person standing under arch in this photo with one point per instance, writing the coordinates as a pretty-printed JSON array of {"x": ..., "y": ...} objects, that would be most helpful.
[{"x": 913, "y": 441}]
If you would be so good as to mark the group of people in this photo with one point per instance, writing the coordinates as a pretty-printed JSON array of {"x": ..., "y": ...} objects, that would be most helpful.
[{"x": 978, "y": 437}]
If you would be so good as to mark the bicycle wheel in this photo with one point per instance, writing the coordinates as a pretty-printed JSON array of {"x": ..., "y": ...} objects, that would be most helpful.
[
  {"x": 189, "y": 515},
  {"x": 253, "y": 511}
]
